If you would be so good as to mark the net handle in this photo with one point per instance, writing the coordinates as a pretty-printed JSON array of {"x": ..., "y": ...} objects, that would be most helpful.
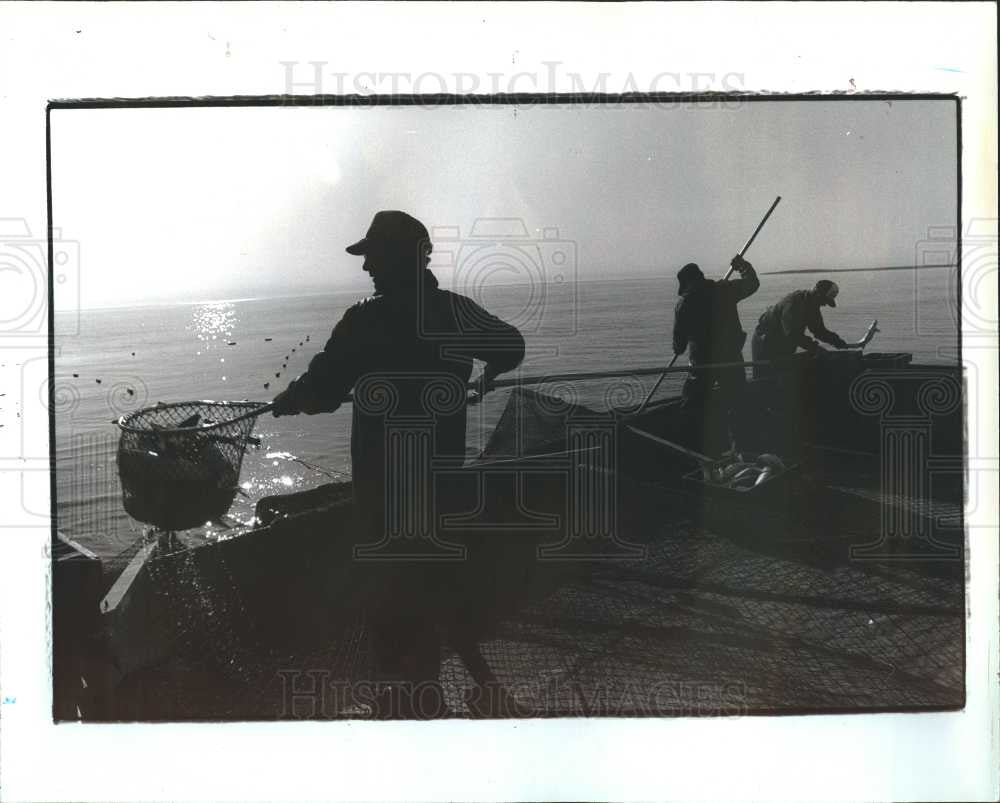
[
  {"x": 264, "y": 408},
  {"x": 260, "y": 410}
]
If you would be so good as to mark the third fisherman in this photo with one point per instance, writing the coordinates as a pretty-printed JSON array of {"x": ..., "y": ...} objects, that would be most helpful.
[{"x": 782, "y": 328}]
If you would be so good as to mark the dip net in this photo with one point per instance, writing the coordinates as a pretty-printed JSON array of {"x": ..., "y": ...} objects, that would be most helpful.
[{"x": 179, "y": 464}]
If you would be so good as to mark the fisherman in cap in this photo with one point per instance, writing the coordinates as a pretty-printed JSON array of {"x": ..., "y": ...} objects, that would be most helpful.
[
  {"x": 407, "y": 351},
  {"x": 782, "y": 328},
  {"x": 707, "y": 324}
]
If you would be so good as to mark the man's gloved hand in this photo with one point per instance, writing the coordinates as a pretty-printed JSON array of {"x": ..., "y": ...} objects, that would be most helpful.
[
  {"x": 740, "y": 265},
  {"x": 839, "y": 342},
  {"x": 814, "y": 348}
]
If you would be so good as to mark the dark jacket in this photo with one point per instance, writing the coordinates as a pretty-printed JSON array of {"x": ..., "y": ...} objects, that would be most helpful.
[
  {"x": 783, "y": 325},
  {"x": 408, "y": 356},
  {"x": 706, "y": 319}
]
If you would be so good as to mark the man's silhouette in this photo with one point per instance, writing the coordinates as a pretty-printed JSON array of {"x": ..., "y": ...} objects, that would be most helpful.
[
  {"x": 407, "y": 351},
  {"x": 707, "y": 324},
  {"x": 781, "y": 330}
]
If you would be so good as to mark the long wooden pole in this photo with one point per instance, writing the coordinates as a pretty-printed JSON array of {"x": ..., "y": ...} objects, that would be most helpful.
[
  {"x": 728, "y": 274},
  {"x": 753, "y": 236},
  {"x": 670, "y": 369}
]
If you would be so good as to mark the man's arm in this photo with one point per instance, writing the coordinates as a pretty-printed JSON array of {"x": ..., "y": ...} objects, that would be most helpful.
[
  {"x": 794, "y": 327},
  {"x": 747, "y": 284},
  {"x": 487, "y": 338},
  {"x": 815, "y": 323},
  {"x": 330, "y": 375},
  {"x": 680, "y": 328}
]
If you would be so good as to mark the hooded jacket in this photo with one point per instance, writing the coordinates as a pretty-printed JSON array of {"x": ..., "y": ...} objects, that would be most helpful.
[{"x": 706, "y": 319}]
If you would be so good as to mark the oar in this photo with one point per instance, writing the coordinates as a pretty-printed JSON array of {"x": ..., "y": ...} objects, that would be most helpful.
[{"x": 728, "y": 274}]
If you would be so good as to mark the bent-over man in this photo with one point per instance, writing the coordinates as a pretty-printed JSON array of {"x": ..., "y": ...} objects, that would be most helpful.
[{"x": 782, "y": 328}]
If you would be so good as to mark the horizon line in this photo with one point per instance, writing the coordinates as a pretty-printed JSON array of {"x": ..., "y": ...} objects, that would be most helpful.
[{"x": 308, "y": 292}]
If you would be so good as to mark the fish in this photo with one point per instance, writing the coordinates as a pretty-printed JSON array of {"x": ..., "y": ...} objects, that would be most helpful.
[
  {"x": 771, "y": 461},
  {"x": 267, "y": 385},
  {"x": 764, "y": 476},
  {"x": 732, "y": 469},
  {"x": 268, "y": 339},
  {"x": 749, "y": 471}
]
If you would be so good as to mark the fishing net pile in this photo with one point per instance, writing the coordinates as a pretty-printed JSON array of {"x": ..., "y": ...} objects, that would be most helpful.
[{"x": 716, "y": 618}]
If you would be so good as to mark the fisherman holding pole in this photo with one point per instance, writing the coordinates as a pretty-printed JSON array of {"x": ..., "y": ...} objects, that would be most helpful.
[{"x": 707, "y": 325}]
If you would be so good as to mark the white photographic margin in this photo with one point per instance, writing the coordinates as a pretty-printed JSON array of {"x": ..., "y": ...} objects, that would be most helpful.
[{"x": 83, "y": 50}]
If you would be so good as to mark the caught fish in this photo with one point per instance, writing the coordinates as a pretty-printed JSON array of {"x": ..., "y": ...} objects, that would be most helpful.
[
  {"x": 744, "y": 483},
  {"x": 749, "y": 471},
  {"x": 764, "y": 476},
  {"x": 771, "y": 461},
  {"x": 733, "y": 469}
]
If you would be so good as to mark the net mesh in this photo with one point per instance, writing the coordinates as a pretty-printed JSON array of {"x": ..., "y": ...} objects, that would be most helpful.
[
  {"x": 179, "y": 464},
  {"x": 718, "y": 618}
]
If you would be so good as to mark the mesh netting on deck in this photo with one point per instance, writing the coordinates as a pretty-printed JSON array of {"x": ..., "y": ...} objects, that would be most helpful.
[{"x": 716, "y": 619}]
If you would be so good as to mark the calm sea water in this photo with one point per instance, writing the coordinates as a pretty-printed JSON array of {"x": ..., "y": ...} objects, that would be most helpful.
[{"x": 229, "y": 350}]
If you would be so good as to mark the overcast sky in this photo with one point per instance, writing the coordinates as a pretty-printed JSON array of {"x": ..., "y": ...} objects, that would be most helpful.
[{"x": 172, "y": 204}]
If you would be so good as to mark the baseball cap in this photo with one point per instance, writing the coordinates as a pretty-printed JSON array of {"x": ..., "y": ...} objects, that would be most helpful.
[
  {"x": 393, "y": 228},
  {"x": 827, "y": 291}
]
